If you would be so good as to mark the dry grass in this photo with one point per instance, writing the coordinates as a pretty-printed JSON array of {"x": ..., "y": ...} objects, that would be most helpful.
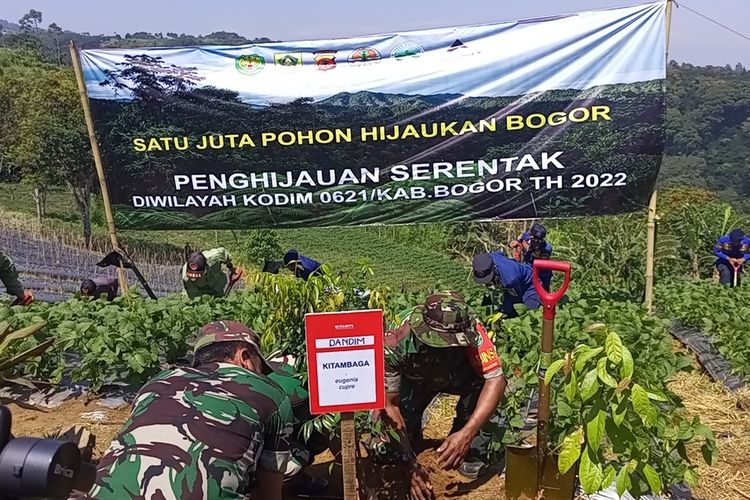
[{"x": 728, "y": 415}]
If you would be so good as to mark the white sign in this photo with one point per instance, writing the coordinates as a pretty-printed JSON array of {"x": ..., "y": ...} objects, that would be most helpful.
[{"x": 348, "y": 376}]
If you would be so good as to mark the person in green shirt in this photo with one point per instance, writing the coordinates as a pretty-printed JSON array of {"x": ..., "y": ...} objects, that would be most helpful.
[
  {"x": 9, "y": 278},
  {"x": 203, "y": 273}
]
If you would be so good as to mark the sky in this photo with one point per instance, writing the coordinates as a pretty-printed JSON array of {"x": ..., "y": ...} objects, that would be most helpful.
[{"x": 693, "y": 40}]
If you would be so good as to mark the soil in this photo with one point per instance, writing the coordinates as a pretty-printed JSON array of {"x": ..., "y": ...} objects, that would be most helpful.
[{"x": 379, "y": 482}]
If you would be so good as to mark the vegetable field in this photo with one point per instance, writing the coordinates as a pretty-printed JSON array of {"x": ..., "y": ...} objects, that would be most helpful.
[{"x": 628, "y": 405}]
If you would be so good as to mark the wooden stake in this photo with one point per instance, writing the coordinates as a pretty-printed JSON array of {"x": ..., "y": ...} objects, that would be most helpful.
[
  {"x": 349, "y": 456},
  {"x": 97, "y": 160}
]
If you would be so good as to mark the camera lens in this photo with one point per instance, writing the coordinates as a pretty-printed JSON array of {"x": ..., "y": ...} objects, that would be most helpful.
[{"x": 31, "y": 467}]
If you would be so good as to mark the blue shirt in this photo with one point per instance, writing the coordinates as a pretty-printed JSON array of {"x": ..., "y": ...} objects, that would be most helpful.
[
  {"x": 517, "y": 282},
  {"x": 306, "y": 266},
  {"x": 724, "y": 249}
]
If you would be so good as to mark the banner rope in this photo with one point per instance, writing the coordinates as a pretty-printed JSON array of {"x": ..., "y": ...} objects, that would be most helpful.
[{"x": 682, "y": 4}]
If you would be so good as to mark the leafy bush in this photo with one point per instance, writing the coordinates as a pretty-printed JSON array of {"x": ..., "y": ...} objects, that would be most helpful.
[
  {"x": 257, "y": 245},
  {"x": 619, "y": 428},
  {"x": 718, "y": 310},
  {"x": 131, "y": 338}
]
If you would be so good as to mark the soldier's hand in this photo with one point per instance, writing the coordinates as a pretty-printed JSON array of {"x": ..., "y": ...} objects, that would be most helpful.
[
  {"x": 421, "y": 488},
  {"x": 454, "y": 449}
]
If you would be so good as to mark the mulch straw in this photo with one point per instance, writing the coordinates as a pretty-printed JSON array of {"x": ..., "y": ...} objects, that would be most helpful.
[{"x": 728, "y": 415}]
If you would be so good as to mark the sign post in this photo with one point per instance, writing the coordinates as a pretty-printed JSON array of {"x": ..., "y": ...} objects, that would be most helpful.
[{"x": 345, "y": 364}]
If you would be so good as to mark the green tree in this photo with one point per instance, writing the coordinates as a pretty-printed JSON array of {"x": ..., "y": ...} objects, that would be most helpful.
[
  {"x": 31, "y": 19},
  {"x": 51, "y": 144}
]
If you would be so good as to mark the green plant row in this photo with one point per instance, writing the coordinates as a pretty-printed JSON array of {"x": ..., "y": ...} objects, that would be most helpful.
[{"x": 718, "y": 310}]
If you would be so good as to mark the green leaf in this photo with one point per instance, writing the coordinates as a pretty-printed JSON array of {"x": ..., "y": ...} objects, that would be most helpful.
[
  {"x": 590, "y": 385},
  {"x": 589, "y": 473},
  {"x": 655, "y": 396},
  {"x": 570, "y": 451},
  {"x": 563, "y": 408},
  {"x": 609, "y": 476},
  {"x": 552, "y": 370},
  {"x": 595, "y": 428},
  {"x": 710, "y": 455},
  {"x": 613, "y": 345},
  {"x": 604, "y": 376},
  {"x": 642, "y": 405},
  {"x": 690, "y": 477},
  {"x": 571, "y": 387},
  {"x": 582, "y": 358},
  {"x": 619, "y": 411},
  {"x": 626, "y": 368},
  {"x": 652, "y": 478},
  {"x": 623, "y": 481}
]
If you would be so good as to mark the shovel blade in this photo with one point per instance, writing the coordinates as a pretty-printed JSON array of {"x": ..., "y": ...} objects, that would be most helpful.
[{"x": 523, "y": 482}]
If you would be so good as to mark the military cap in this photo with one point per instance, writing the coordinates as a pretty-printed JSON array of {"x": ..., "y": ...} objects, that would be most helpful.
[
  {"x": 229, "y": 331},
  {"x": 196, "y": 265},
  {"x": 444, "y": 320},
  {"x": 484, "y": 268}
]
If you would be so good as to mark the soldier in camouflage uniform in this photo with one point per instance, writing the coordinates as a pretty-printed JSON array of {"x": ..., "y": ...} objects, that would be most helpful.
[
  {"x": 216, "y": 430},
  {"x": 9, "y": 279},
  {"x": 439, "y": 348}
]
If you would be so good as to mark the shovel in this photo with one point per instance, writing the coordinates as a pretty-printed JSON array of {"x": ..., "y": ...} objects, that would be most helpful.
[
  {"x": 737, "y": 266},
  {"x": 532, "y": 471},
  {"x": 234, "y": 277}
]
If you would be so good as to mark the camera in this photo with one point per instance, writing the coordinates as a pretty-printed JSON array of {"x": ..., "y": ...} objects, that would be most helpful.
[{"x": 39, "y": 468}]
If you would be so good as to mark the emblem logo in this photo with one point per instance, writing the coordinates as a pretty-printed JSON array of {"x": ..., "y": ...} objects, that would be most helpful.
[
  {"x": 364, "y": 55},
  {"x": 458, "y": 44},
  {"x": 325, "y": 59},
  {"x": 250, "y": 64},
  {"x": 405, "y": 50},
  {"x": 288, "y": 59}
]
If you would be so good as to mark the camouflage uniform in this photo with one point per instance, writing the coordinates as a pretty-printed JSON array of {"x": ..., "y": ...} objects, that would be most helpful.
[
  {"x": 214, "y": 280},
  {"x": 196, "y": 433},
  {"x": 9, "y": 276},
  {"x": 438, "y": 348}
]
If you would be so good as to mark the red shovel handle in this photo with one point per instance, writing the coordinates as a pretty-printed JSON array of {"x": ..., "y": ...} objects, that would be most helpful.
[{"x": 550, "y": 299}]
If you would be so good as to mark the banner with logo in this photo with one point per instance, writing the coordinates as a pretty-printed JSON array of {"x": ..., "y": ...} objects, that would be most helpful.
[{"x": 552, "y": 117}]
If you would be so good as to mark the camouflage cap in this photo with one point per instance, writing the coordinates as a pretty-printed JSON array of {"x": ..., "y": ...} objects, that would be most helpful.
[
  {"x": 229, "y": 331},
  {"x": 444, "y": 320}
]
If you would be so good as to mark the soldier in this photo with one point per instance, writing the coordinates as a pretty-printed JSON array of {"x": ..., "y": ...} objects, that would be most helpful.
[
  {"x": 96, "y": 287},
  {"x": 512, "y": 278},
  {"x": 210, "y": 431},
  {"x": 439, "y": 348},
  {"x": 302, "y": 266},
  {"x": 9, "y": 278},
  {"x": 731, "y": 253},
  {"x": 203, "y": 274},
  {"x": 532, "y": 245}
]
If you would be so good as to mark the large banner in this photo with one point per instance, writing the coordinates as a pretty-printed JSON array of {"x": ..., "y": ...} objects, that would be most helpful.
[{"x": 552, "y": 117}]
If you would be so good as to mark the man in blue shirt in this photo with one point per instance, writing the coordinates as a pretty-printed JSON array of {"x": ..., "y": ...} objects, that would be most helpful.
[
  {"x": 732, "y": 251},
  {"x": 513, "y": 278},
  {"x": 302, "y": 267},
  {"x": 532, "y": 245}
]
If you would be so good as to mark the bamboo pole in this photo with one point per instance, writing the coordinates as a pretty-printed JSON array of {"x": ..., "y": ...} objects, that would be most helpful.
[
  {"x": 97, "y": 161},
  {"x": 651, "y": 237}
]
